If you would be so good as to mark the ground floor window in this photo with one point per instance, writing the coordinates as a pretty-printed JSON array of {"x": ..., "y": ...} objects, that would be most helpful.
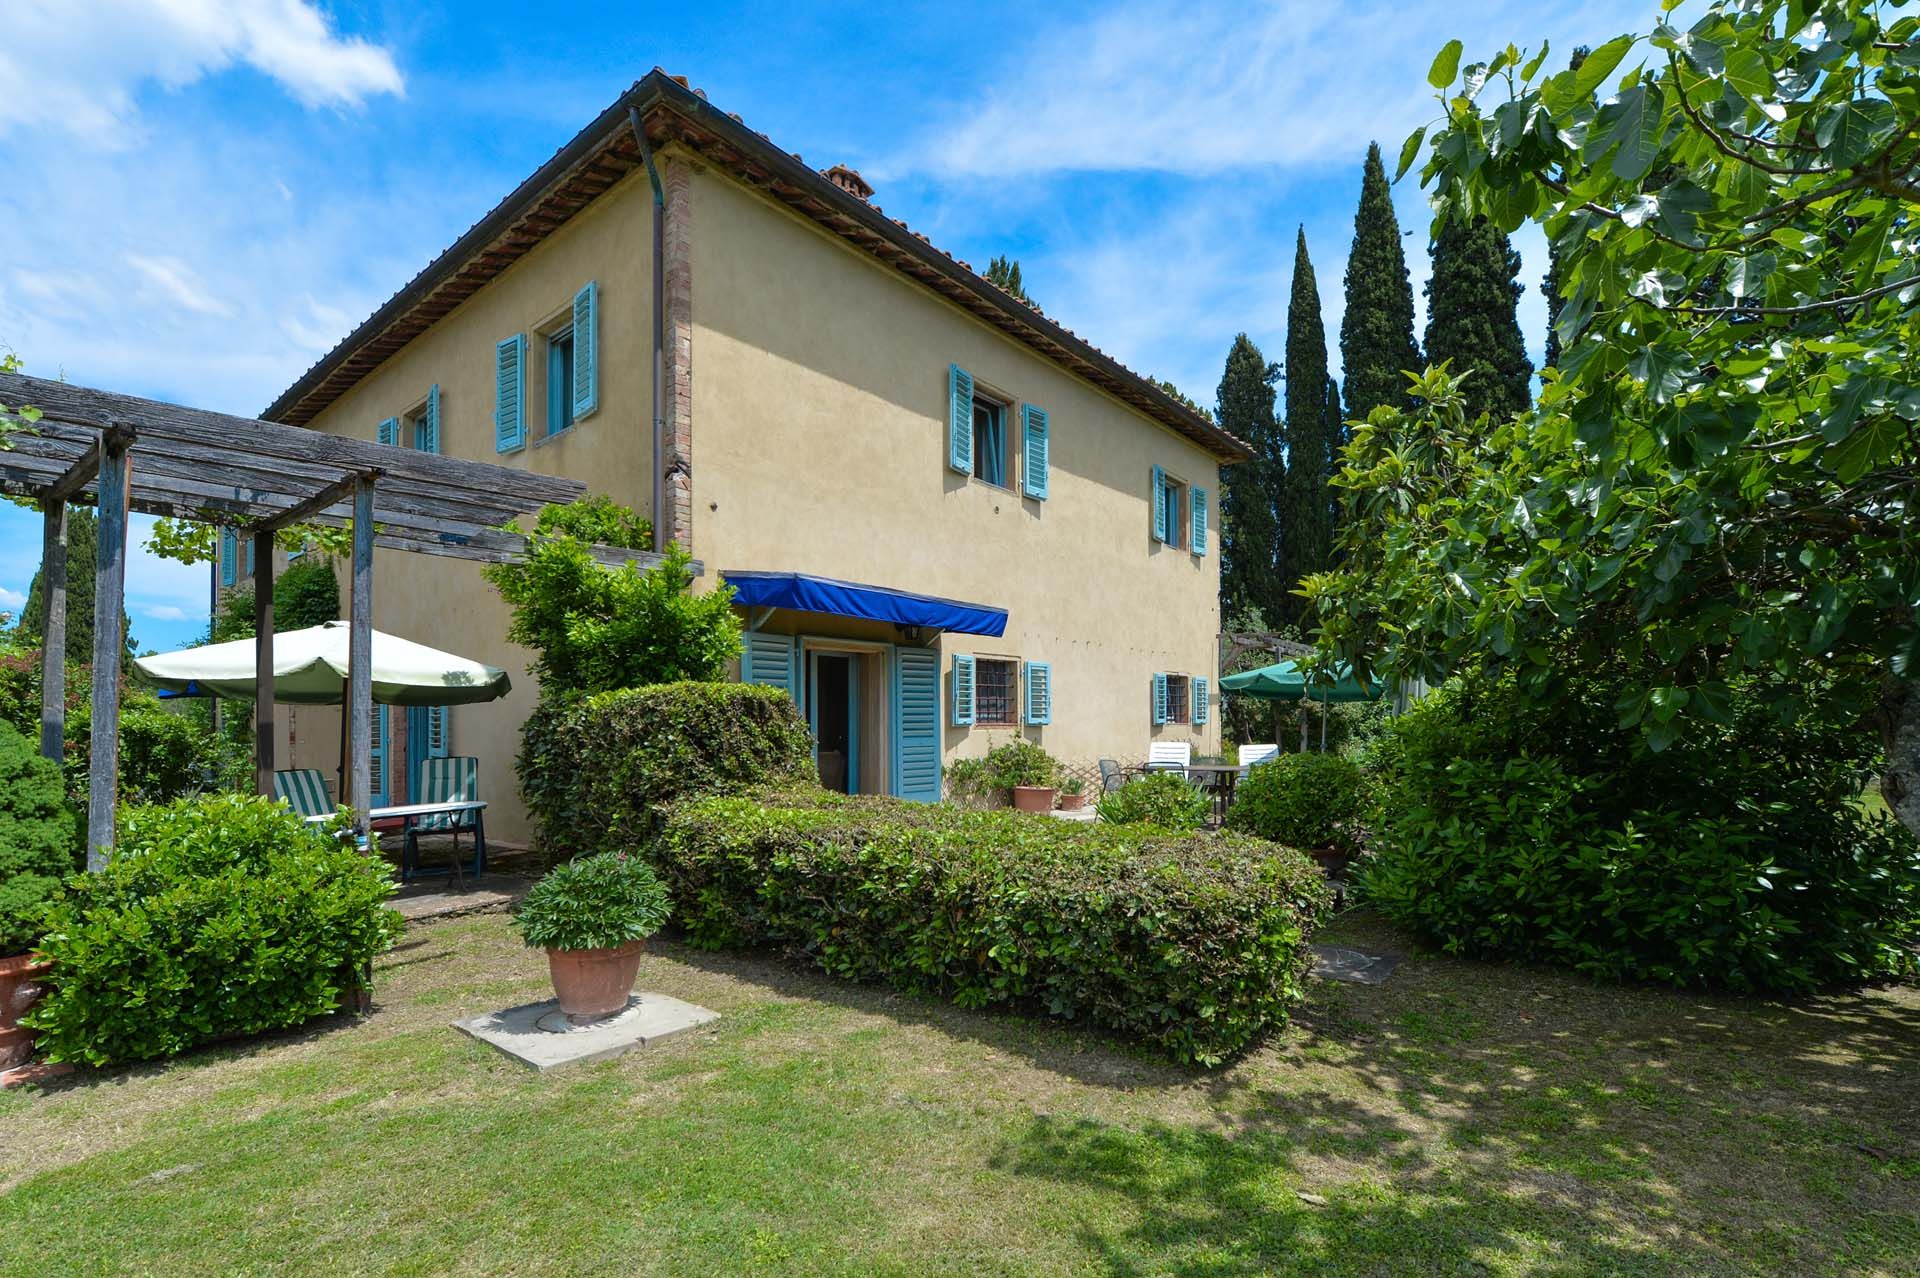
[
  {"x": 1179, "y": 699},
  {"x": 997, "y": 695}
]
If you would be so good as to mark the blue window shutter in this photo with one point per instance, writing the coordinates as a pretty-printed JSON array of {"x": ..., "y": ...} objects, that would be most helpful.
[
  {"x": 229, "y": 557},
  {"x": 959, "y": 419},
  {"x": 1159, "y": 504},
  {"x": 439, "y": 732},
  {"x": 768, "y": 659},
  {"x": 389, "y": 431},
  {"x": 916, "y": 724},
  {"x": 1034, "y": 480},
  {"x": 510, "y": 394},
  {"x": 1039, "y": 692},
  {"x": 426, "y": 432},
  {"x": 962, "y": 691},
  {"x": 1200, "y": 706},
  {"x": 586, "y": 350},
  {"x": 1159, "y": 699},
  {"x": 249, "y": 556},
  {"x": 1198, "y": 499}
]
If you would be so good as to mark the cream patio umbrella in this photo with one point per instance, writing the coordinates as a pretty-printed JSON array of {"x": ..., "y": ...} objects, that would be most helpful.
[{"x": 310, "y": 669}]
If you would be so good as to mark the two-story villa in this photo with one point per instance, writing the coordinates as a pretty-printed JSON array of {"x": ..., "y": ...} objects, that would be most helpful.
[{"x": 950, "y": 521}]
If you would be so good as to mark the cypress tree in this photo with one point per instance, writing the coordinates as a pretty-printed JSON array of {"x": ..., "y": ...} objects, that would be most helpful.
[
  {"x": 83, "y": 538},
  {"x": 1250, "y": 493},
  {"x": 1306, "y": 531},
  {"x": 1471, "y": 320},
  {"x": 1334, "y": 427},
  {"x": 1377, "y": 349}
]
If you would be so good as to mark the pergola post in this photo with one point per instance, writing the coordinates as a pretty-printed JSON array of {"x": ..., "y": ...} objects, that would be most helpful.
[
  {"x": 359, "y": 718},
  {"x": 263, "y": 748},
  {"x": 109, "y": 641},
  {"x": 53, "y": 647}
]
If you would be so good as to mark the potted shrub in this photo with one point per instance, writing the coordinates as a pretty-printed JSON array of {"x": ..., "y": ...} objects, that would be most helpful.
[
  {"x": 1026, "y": 770},
  {"x": 592, "y": 916},
  {"x": 1073, "y": 794},
  {"x": 1313, "y": 802}
]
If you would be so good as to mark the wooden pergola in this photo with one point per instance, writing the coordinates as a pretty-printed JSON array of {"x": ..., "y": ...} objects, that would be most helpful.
[{"x": 257, "y": 477}]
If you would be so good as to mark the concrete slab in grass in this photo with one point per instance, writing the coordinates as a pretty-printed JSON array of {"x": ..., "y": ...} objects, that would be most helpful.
[{"x": 539, "y": 1036}]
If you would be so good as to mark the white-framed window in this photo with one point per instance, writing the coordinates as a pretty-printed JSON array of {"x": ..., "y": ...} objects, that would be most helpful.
[
  {"x": 996, "y": 692},
  {"x": 992, "y": 461},
  {"x": 557, "y": 349}
]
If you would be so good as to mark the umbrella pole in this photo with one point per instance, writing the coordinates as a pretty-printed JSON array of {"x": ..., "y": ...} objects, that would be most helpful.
[{"x": 1323, "y": 727}]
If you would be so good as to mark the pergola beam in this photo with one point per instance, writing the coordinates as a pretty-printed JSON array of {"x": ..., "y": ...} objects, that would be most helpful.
[
  {"x": 331, "y": 495},
  {"x": 360, "y": 657},
  {"x": 263, "y": 672}
]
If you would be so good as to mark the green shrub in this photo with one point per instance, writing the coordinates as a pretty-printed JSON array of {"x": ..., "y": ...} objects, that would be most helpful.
[
  {"x": 1303, "y": 801},
  {"x": 1512, "y": 827},
  {"x": 593, "y": 903},
  {"x": 1165, "y": 799},
  {"x": 218, "y": 916},
  {"x": 593, "y": 769},
  {"x": 1017, "y": 763},
  {"x": 594, "y": 628},
  {"x": 37, "y": 839},
  {"x": 1193, "y": 943}
]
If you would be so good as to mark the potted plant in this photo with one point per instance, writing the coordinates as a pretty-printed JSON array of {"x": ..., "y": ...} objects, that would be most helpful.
[
  {"x": 1028, "y": 771},
  {"x": 592, "y": 916},
  {"x": 1073, "y": 795}
]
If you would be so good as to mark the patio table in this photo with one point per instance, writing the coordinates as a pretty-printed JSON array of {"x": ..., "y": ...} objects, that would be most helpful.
[{"x": 408, "y": 813}]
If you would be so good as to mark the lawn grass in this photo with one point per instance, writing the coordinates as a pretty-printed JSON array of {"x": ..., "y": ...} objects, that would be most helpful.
[{"x": 1462, "y": 1119}]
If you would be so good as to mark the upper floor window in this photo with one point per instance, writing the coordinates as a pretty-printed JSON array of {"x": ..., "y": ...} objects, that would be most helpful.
[
  {"x": 560, "y": 382},
  {"x": 989, "y": 441},
  {"x": 1170, "y": 509}
]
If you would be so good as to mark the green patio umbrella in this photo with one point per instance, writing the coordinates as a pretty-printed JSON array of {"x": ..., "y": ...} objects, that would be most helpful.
[{"x": 1286, "y": 681}]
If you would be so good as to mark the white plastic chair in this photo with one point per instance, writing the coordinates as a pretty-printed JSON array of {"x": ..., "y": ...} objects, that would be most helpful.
[
  {"x": 1169, "y": 756},
  {"x": 1252, "y": 754}
]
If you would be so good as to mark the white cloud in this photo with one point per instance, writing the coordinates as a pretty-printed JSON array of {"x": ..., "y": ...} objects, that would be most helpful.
[
  {"x": 1200, "y": 89},
  {"x": 162, "y": 612},
  {"x": 173, "y": 280},
  {"x": 79, "y": 67},
  {"x": 12, "y": 600}
]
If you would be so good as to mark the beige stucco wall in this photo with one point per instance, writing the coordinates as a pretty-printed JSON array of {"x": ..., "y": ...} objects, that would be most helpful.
[
  {"x": 444, "y": 602},
  {"x": 819, "y": 393},
  {"x": 819, "y": 445}
]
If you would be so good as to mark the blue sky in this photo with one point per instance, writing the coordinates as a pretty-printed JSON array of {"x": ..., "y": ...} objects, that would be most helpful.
[{"x": 205, "y": 195}]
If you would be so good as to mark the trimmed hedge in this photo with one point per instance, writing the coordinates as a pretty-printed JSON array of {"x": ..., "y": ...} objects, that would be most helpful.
[
  {"x": 1164, "y": 799},
  {"x": 595, "y": 769},
  {"x": 1194, "y": 944},
  {"x": 1738, "y": 859},
  {"x": 1303, "y": 800},
  {"x": 219, "y": 916}
]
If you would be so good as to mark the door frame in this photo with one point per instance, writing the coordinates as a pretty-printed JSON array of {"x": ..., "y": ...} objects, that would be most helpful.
[{"x": 811, "y": 645}]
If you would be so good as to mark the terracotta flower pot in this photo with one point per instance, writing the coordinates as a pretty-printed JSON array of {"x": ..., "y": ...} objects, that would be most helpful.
[
  {"x": 1033, "y": 798},
  {"x": 594, "y": 983},
  {"x": 18, "y": 992},
  {"x": 1072, "y": 802}
]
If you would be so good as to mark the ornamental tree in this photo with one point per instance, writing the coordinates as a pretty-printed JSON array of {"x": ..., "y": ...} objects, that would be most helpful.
[
  {"x": 1306, "y": 518},
  {"x": 1719, "y": 479},
  {"x": 1377, "y": 349}
]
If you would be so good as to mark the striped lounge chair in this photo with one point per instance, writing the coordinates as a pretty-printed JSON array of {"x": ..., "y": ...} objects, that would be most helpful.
[
  {"x": 449, "y": 779},
  {"x": 304, "y": 790}
]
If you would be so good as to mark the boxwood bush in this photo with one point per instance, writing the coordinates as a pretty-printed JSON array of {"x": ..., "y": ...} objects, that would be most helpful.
[
  {"x": 37, "y": 839},
  {"x": 1165, "y": 799},
  {"x": 1303, "y": 800},
  {"x": 1514, "y": 827},
  {"x": 1195, "y": 944},
  {"x": 217, "y": 917},
  {"x": 594, "y": 769}
]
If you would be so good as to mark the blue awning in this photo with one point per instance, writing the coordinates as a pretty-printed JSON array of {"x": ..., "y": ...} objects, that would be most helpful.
[{"x": 804, "y": 593}]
